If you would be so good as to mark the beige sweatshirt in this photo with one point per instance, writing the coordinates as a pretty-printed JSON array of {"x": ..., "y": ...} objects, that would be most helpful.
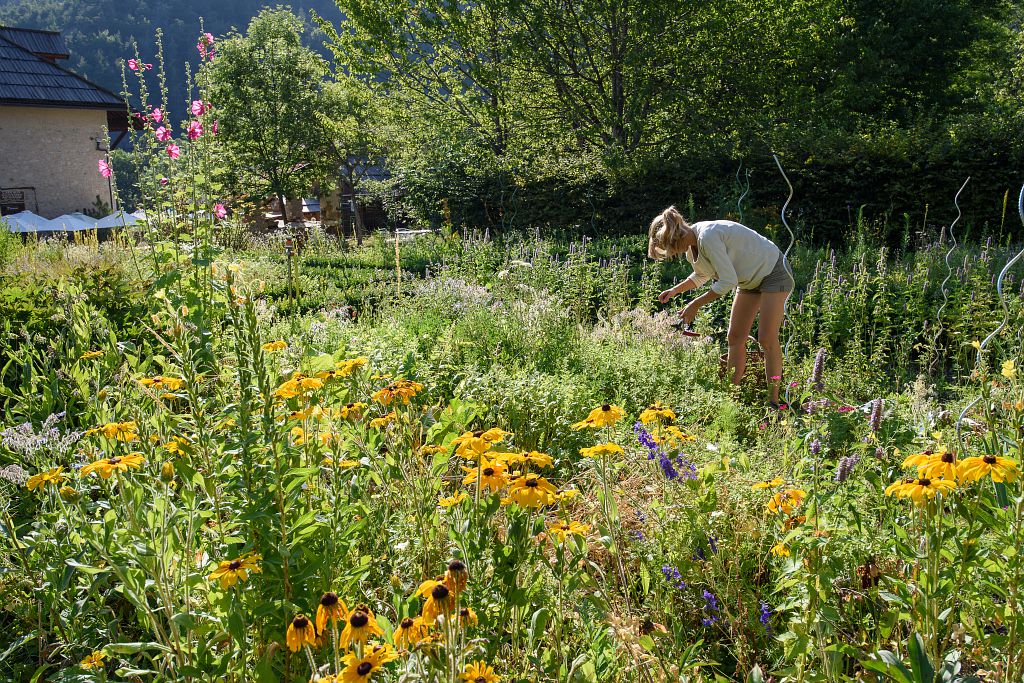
[{"x": 731, "y": 254}]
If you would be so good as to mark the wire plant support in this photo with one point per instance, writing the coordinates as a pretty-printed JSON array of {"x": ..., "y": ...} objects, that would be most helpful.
[
  {"x": 745, "y": 192},
  {"x": 1002, "y": 325},
  {"x": 785, "y": 254},
  {"x": 939, "y": 327}
]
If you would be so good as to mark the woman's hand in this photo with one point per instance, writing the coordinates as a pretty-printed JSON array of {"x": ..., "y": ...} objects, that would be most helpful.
[
  {"x": 668, "y": 294},
  {"x": 690, "y": 312}
]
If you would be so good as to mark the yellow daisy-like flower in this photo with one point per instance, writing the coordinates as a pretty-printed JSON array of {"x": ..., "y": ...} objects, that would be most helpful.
[
  {"x": 429, "y": 450},
  {"x": 328, "y": 461},
  {"x": 331, "y": 608},
  {"x": 566, "y": 494},
  {"x": 89, "y": 355},
  {"x": 105, "y": 467},
  {"x": 471, "y": 445},
  {"x": 656, "y": 413},
  {"x": 399, "y": 390},
  {"x": 942, "y": 465},
  {"x": 562, "y": 530},
  {"x": 673, "y": 436},
  {"x": 178, "y": 445},
  {"x": 382, "y": 653},
  {"x": 487, "y": 475},
  {"x": 787, "y": 501},
  {"x": 919, "y": 490},
  {"x": 780, "y": 550},
  {"x": 467, "y": 617},
  {"x": 352, "y": 411},
  {"x": 159, "y": 382},
  {"x": 300, "y": 632},
  {"x": 410, "y": 632},
  {"x": 456, "y": 576},
  {"x": 360, "y": 624},
  {"x": 532, "y": 491},
  {"x": 93, "y": 661},
  {"x": 49, "y": 478},
  {"x": 440, "y": 599},
  {"x": 383, "y": 421},
  {"x": 768, "y": 484},
  {"x": 602, "y": 450},
  {"x": 117, "y": 431},
  {"x": 275, "y": 346},
  {"x": 1002, "y": 470},
  {"x": 347, "y": 367},
  {"x": 1009, "y": 369},
  {"x": 479, "y": 672},
  {"x": 452, "y": 500},
  {"x": 230, "y": 572},
  {"x": 358, "y": 669},
  {"x": 603, "y": 416}
]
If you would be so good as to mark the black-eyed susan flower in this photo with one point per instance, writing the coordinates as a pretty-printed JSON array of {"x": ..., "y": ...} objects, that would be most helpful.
[
  {"x": 656, "y": 413},
  {"x": 51, "y": 477},
  {"x": 347, "y": 367},
  {"x": 941, "y": 465},
  {"x": 920, "y": 490},
  {"x": 672, "y": 436},
  {"x": 602, "y": 450},
  {"x": 467, "y": 617},
  {"x": 439, "y": 600},
  {"x": 538, "y": 459},
  {"x": 230, "y": 572},
  {"x": 429, "y": 450},
  {"x": 780, "y": 549},
  {"x": 562, "y": 530},
  {"x": 178, "y": 445},
  {"x": 566, "y": 494},
  {"x": 787, "y": 501},
  {"x": 162, "y": 382},
  {"x": 382, "y": 653},
  {"x": 487, "y": 475},
  {"x": 768, "y": 484},
  {"x": 456, "y": 576},
  {"x": 275, "y": 346},
  {"x": 68, "y": 494},
  {"x": 358, "y": 669},
  {"x": 531, "y": 491},
  {"x": 352, "y": 411},
  {"x": 94, "y": 660},
  {"x": 89, "y": 355},
  {"x": 105, "y": 467},
  {"x": 793, "y": 522},
  {"x": 300, "y": 633},
  {"x": 452, "y": 500},
  {"x": 999, "y": 468},
  {"x": 360, "y": 625},
  {"x": 117, "y": 431},
  {"x": 383, "y": 421},
  {"x": 410, "y": 632},
  {"x": 331, "y": 608},
  {"x": 479, "y": 672},
  {"x": 603, "y": 416},
  {"x": 471, "y": 445},
  {"x": 399, "y": 390},
  {"x": 343, "y": 464}
]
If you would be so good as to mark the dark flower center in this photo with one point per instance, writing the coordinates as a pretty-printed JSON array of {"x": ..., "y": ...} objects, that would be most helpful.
[
  {"x": 364, "y": 668},
  {"x": 300, "y": 622},
  {"x": 113, "y": 461},
  {"x": 350, "y": 406},
  {"x": 488, "y": 471},
  {"x": 329, "y": 599},
  {"x": 479, "y": 679},
  {"x": 439, "y": 592},
  {"x": 359, "y": 619},
  {"x": 924, "y": 482},
  {"x": 606, "y": 407},
  {"x": 407, "y": 622},
  {"x": 456, "y": 566},
  {"x": 989, "y": 459},
  {"x": 478, "y": 433},
  {"x": 235, "y": 564},
  {"x": 566, "y": 527},
  {"x": 948, "y": 457},
  {"x": 464, "y": 612},
  {"x": 532, "y": 483}
]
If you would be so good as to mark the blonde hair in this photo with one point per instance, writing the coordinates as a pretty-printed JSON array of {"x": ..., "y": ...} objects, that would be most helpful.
[{"x": 665, "y": 237}]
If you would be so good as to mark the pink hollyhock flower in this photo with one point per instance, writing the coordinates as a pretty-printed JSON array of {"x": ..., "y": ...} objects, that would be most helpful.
[
  {"x": 195, "y": 129},
  {"x": 158, "y": 115},
  {"x": 208, "y": 37},
  {"x": 215, "y": 126},
  {"x": 173, "y": 151},
  {"x": 133, "y": 65},
  {"x": 199, "y": 107},
  {"x": 162, "y": 134},
  {"x": 219, "y": 211},
  {"x": 105, "y": 169},
  {"x": 165, "y": 180}
]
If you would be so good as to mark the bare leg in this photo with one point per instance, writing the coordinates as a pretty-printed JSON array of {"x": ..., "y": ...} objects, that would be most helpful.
[
  {"x": 744, "y": 309},
  {"x": 773, "y": 307}
]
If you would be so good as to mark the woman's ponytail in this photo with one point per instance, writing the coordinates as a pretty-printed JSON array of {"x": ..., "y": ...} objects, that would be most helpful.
[{"x": 665, "y": 237}]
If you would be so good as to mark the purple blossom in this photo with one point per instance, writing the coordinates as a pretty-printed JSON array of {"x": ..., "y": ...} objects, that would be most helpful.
[
  {"x": 845, "y": 467},
  {"x": 765, "y": 617},
  {"x": 712, "y": 544},
  {"x": 710, "y": 608},
  {"x": 673, "y": 576},
  {"x": 680, "y": 467},
  {"x": 817, "y": 379},
  {"x": 816, "y": 447},
  {"x": 875, "y": 421}
]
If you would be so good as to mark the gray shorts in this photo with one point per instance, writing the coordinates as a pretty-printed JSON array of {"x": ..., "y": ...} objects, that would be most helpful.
[{"x": 779, "y": 280}]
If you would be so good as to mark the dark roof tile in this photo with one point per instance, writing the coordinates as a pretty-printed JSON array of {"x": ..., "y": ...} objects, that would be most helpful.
[
  {"x": 36, "y": 41},
  {"x": 31, "y": 80}
]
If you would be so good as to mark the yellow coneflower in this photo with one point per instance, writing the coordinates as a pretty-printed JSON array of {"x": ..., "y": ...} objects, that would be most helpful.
[
  {"x": 382, "y": 653},
  {"x": 787, "y": 501},
  {"x": 439, "y": 600},
  {"x": 539, "y": 459},
  {"x": 452, "y": 500},
  {"x": 656, "y": 412},
  {"x": 230, "y": 572},
  {"x": 471, "y": 445},
  {"x": 410, "y": 632},
  {"x": 105, "y": 467},
  {"x": 768, "y": 484},
  {"x": 352, "y": 411},
  {"x": 345, "y": 464},
  {"x": 942, "y": 465},
  {"x": 920, "y": 490},
  {"x": 358, "y": 669},
  {"x": 117, "y": 431},
  {"x": 999, "y": 468},
  {"x": 89, "y": 355},
  {"x": 49, "y": 478},
  {"x": 360, "y": 624},
  {"x": 68, "y": 494},
  {"x": 94, "y": 661},
  {"x": 300, "y": 632},
  {"x": 331, "y": 608},
  {"x": 780, "y": 550},
  {"x": 532, "y": 491},
  {"x": 566, "y": 494},
  {"x": 456, "y": 576},
  {"x": 383, "y": 421},
  {"x": 793, "y": 522},
  {"x": 602, "y": 450},
  {"x": 178, "y": 445},
  {"x": 347, "y": 367},
  {"x": 402, "y": 389},
  {"x": 603, "y": 416},
  {"x": 429, "y": 450},
  {"x": 672, "y": 436},
  {"x": 488, "y": 475},
  {"x": 275, "y": 346},
  {"x": 562, "y": 530},
  {"x": 479, "y": 672},
  {"x": 467, "y": 617}
]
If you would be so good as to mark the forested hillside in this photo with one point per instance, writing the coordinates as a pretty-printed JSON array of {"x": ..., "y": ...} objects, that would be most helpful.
[{"x": 100, "y": 32}]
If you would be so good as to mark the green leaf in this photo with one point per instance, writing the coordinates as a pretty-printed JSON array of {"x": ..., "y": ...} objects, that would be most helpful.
[{"x": 922, "y": 667}]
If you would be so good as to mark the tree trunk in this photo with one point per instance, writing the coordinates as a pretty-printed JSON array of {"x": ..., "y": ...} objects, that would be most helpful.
[
  {"x": 358, "y": 220},
  {"x": 284, "y": 207}
]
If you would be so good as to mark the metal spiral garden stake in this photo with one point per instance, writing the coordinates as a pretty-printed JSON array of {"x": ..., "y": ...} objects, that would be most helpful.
[
  {"x": 949, "y": 268},
  {"x": 746, "y": 190},
  {"x": 785, "y": 254},
  {"x": 1002, "y": 325}
]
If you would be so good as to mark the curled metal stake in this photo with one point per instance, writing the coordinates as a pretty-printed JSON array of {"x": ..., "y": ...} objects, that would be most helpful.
[
  {"x": 949, "y": 268},
  {"x": 746, "y": 190},
  {"x": 785, "y": 254},
  {"x": 1002, "y": 325}
]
